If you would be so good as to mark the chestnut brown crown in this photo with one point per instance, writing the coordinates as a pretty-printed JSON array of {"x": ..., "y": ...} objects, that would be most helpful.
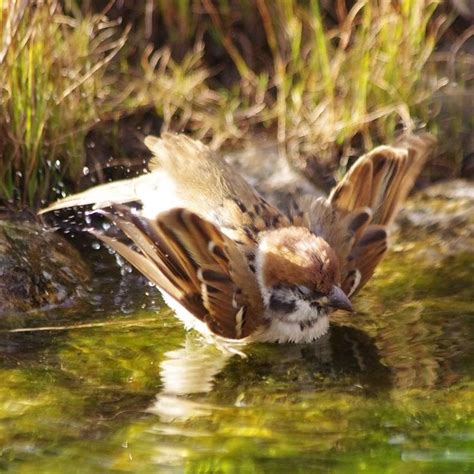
[{"x": 296, "y": 256}]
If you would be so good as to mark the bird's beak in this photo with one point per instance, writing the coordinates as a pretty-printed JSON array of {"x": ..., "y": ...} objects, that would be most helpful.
[{"x": 337, "y": 299}]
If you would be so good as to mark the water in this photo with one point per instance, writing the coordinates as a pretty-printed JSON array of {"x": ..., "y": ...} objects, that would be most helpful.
[{"x": 123, "y": 389}]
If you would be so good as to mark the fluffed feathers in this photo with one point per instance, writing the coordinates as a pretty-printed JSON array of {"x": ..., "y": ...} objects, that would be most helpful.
[
  {"x": 190, "y": 259},
  {"x": 202, "y": 223}
]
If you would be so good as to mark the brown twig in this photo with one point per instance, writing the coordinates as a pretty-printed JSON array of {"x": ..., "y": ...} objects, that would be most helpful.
[{"x": 137, "y": 322}]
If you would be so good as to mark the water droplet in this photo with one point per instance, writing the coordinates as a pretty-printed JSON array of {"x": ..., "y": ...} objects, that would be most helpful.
[
  {"x": 85, "y": 171},
  {"x": 96, "y": 245}
]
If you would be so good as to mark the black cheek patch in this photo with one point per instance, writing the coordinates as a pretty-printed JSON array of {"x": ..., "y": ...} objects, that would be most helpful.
[{"x": 281, "y": 306}]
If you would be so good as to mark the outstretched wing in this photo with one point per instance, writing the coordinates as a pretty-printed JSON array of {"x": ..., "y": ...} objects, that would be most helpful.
[
  {"x": 185, "y": 173},
  {"x": 194, "y": 263},
  {"x": 356, "y": 217}
]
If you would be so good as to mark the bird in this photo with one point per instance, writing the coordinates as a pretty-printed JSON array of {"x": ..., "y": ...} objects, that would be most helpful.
[{"x": 232, "y": 265}]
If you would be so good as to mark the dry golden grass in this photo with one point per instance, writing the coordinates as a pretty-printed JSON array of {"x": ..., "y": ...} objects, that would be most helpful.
[
  {"x": 317, "y": 83},
  {"x": 53, "y": 87}
]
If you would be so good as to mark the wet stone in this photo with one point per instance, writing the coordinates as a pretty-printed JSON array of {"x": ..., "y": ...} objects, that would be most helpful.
[
  {"x": 444, "y": 210},
  {"x": 38, "y": 269}
]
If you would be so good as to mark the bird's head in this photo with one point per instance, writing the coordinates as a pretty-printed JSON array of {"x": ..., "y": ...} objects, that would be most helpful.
[{"x": 298, "y": 273}]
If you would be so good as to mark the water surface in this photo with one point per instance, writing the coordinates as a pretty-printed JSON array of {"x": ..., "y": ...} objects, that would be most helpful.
[{"x": 118, "y": 386}]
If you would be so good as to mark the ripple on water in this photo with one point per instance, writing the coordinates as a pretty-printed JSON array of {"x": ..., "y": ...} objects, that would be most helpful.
[{"x": 120, "y": 387}]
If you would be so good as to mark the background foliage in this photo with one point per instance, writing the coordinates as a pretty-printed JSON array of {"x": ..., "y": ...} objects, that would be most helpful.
[{"x": 326, "y": 80}]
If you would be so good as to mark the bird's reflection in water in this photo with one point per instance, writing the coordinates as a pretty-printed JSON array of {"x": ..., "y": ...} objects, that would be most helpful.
[
  {"x": 345, "y": 356},
  {"x": 186, "y": 371},
  {"x": 192, "y": 368}
]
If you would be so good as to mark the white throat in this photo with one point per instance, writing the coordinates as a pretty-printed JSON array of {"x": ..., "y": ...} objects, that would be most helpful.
[{"x": 304, "y": 323}]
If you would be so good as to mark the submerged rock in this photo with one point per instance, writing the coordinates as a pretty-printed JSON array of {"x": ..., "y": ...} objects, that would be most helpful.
[{"x": 38, "y": 268}]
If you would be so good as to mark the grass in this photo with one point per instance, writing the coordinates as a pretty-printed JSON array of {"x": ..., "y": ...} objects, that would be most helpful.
[
  {"x": 53, "y": 86},
  {"x": 362, "y": 76},
  {"x": 321, "y": 85},
  {"x": 323, "y": 81}
]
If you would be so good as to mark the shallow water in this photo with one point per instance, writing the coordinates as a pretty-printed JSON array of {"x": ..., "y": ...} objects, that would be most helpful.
[{"x": 116, "y": 386}]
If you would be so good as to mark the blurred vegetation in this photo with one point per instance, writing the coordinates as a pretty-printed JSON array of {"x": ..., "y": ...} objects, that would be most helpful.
[
  {"x": 325, "y": 79},
  {"x": 53, "y": 87}
]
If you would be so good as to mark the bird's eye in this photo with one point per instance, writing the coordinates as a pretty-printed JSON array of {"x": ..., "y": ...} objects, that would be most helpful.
[
  {"x": 303, "y": 290},
  {"x": 308, "y": 293}
]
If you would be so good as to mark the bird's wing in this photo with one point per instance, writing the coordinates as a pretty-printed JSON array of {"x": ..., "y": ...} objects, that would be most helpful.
[
  {"x": 186, "y": 173},
  {"x": 382, "y": 179},
  {"x": 193, "y": 262},
  {"x": 104, "y": 195},
  {"x": 212, "y": 188},
  {"x": 356, "y": 217}
]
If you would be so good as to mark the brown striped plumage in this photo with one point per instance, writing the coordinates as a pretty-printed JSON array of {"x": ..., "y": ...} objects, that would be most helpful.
[{"x": 235, "y": 267}]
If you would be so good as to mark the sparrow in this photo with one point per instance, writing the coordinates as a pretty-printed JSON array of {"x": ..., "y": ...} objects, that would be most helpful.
[{"x": 232, "y": 265}]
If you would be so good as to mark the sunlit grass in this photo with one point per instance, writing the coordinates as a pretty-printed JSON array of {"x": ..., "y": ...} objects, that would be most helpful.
[
  {"x": 324, "y": 83},
  {"x": 53, "y": 87},
  {"x": 364, "y": 75}
]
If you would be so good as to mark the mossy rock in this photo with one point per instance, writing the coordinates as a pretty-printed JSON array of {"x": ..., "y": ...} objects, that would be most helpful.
[
  {"x": 38, "y": 268},
  {"x": 443, "y": 212}
]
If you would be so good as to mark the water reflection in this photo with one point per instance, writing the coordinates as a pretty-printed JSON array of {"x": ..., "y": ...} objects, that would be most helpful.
[
  {"x": 134, "y": 392},
  {"x": 345, "y": 356},
  {"x": 193, "y": 368}
]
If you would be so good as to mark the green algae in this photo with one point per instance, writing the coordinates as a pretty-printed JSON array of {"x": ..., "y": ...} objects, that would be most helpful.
[{"x": 390, "y": 390}]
